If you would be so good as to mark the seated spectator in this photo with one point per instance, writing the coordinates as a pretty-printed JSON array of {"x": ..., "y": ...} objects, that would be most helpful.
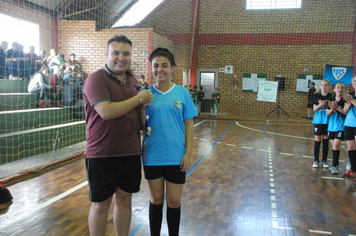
[
  {"x": 12, "y": 61},
  {"x": 73, "y": 95},
  {"x": 142, "y": 81},
  {"x": 57, "y": 85},
  {"x": 24, "y": 65},
  {"x": 33, "y": 60},
  {"x": 42, "y": 57},
  {"x": 56, "y": 63},
  {"x": 67, "y": 71},
  {"x": 3, "y": 47},
  {"x": 80, "y": 79},
  {"x": 52, "y": 54},
  {"x": 40, "y": 84},
  {"x": 71, "y": 62},
  {"x": 72, "y": 76}
]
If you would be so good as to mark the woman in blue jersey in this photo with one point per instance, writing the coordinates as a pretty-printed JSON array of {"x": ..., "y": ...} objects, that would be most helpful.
[
  {"x": 336, "y": 125},
  {"x": 350, "y": 129},
  {"x": 320, "y": 121},
  {"x": 167, "y": 151}
]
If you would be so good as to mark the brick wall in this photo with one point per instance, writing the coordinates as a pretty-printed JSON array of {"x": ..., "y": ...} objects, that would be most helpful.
[
  {"x": 277, "y": 42},
  {"x": 90, "y": 46}
]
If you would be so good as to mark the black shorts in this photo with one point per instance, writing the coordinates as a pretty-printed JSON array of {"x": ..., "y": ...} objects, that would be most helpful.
[
  {"x": 350, "y": 133},
  {"x": 337, "y": 135},
  {"x": 105, "y": 175},
  {"x": 320, "y": 129},
  {"x": 170, "y": 173}
]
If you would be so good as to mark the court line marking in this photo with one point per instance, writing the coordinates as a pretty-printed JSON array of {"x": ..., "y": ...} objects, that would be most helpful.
[
  {"x": 57, "y": 198},
  {"x": 338, "y": 178},
  {"x": 319, "y": 231},
  {"x": 286, "y": 154},
  {"x": 198, "y": 161},
  {"x": 273, "y": 192},
  {"x": 43, "y": 205},
  {"x": 275, "y": 224},
  {"x": 199, "y": 123},
  {"x": 232, "y": 145},
  {"x": 284, "y": 135}
]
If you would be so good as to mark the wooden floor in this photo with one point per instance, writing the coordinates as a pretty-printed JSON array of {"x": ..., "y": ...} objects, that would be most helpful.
[{"x": 248, "y": 178}]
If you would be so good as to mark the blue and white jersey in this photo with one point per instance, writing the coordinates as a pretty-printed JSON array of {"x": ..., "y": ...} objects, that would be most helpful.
[
  {"x": 320, "y": 116},
  {"x": 351, "y": 115},
  {"x": 168, "y": 111},
  {"x": 337, "y": 119}
]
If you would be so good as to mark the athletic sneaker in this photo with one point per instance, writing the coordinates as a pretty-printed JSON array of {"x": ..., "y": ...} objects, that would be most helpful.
[
  {"x": 349, "y": 173},
  {"x": 315, "y": 164},
  {"x": 333, "y": 170},
  {"x": 41, "y": 103},
  {"x": 325, "y": 165}
]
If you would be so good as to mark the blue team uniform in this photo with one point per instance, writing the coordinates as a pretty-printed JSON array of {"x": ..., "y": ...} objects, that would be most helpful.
[
  {"x": 320, "y": 116},
  {"x": 168, "y": 111},
  {"x": 350, "y": 119},
  {"x": 337, "y": 119}
]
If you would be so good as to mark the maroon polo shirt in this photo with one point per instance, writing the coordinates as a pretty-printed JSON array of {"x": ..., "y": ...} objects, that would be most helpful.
[{"x": 116, "y": 137}]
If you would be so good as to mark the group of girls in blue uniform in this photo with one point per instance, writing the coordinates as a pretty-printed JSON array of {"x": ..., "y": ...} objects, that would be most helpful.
[{"x": 335, "y": 120}]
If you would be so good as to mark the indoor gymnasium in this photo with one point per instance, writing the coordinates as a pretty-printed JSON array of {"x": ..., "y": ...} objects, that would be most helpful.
[{"x": 252, "y": 72}]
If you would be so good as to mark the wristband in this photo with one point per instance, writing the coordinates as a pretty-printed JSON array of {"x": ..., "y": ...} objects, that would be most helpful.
[{"x": 139, "y": 98}]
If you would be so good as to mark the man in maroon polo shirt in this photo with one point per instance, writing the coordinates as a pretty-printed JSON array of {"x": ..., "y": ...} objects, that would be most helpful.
[{"x": 112, "y": 108}]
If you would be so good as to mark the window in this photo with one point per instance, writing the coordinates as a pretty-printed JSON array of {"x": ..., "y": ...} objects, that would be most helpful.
[
  {"x": 273, "y": 4},
  {"x": 137, "y": 12},
  {"x": 23, "y": 32}
]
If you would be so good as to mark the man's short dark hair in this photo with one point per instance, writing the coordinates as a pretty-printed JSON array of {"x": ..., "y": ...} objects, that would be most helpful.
[
  {"x": 72, "y": 54},
  {"x": 120, "y": 39}
]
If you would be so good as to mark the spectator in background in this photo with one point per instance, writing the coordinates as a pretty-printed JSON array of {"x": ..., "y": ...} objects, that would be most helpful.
[
  {"x": 71, "y": 62},
  {"x": 33, "y": 60},
  {"x": 195, "y": 97},
  {"x": 200, "y": 98},
  {"x": 214, "y": 106},
  {"x": 191, "y": 92},
  {"x": 24, "y": 65},
  {"x": 56, "y": 63},
  {"x": 67, "y": 71},
  {"x": 72, "y": 75},
  {"x": 72, "y": 95},
  {"x": 42, "y": 57},
  {"x": 311, "y": 93},
  {"x": 3, "y": 48},
  {"x": 12, "y": 61},
  {"x": 57, "y": 84},
  {"x": 143, "y": 82},
  {"x": 39, "y": 84},
  {"x": 71, "y": 91},
  {"x": 80, "y": 79},
  {"x": 52, "y": 54}
]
